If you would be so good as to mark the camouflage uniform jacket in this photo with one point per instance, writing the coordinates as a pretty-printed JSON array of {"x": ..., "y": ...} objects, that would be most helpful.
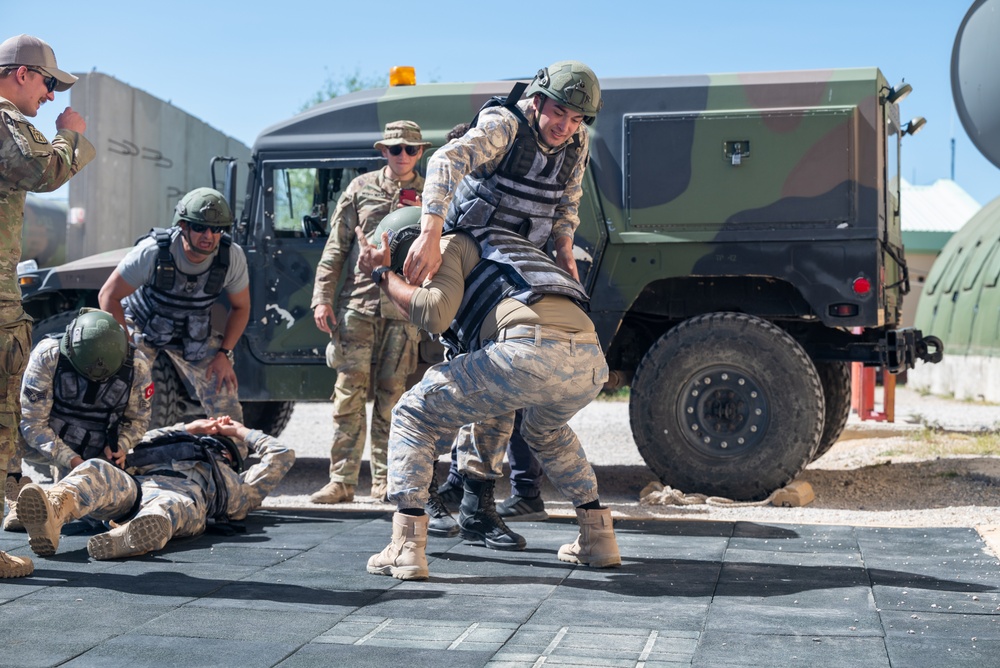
[
  {"x": 36, "y": 404},
  {"x": 480, "y": 151},
  {"x": 247, "y": 490},
  {"x": 28, "y": 162},
  {"x": 366, "y": 201}
]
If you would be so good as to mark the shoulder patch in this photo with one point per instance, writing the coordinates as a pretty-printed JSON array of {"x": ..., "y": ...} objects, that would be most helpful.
[
  {"x": 29, "y": 140},
  {"x": 148, "y": 392},
  {"x": 36, "y": 135},
  {"x": 33, "y": 395}
]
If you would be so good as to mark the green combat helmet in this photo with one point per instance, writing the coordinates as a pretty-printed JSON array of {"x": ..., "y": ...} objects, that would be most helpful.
[
  {"x": 205, "y": 206},
  {"x": 403, "y": 226},
  {"x": 571, "y": 84},
  {"x": 95, "y": 344}
]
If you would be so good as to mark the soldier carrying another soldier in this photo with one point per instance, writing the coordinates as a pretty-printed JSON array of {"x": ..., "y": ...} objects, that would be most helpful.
[
  {"x": 519, "y": 167},
  {"x": 29, "y": 77},
  {"x": 519, "y": 340}
]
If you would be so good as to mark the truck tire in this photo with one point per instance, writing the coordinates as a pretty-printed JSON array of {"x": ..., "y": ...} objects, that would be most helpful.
[
  {"x": 170, "y": 397},
  {"x": 51, "y": 325},
  {"x": 836, "y": 380},
  {"x": 271, "y": 417},
  {"x": 727, "y": 404}
]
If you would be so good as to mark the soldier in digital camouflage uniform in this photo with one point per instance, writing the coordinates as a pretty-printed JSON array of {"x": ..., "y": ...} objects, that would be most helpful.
[
  {"x": 177, "y": 479},
  {"x": 164, "y": 289},
  {"x": 371, "y": 342},
  {"x": 520, "y": 166},
  {"x": 519, "y": 340},
  {"x": 86, "y": 393},
  {"x": 28, "y": 163}
]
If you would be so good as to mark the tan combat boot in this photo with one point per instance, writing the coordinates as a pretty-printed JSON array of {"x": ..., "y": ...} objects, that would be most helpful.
[
  {"x": 405, "y": 558},
  {"x": 15, "y": 567},
  {"x": 596, "y": 545},
  {"x": 334, "y": 492},
  {"x": 138, "y": 536},
  {"x": 43, "y": 514},
  {"x": 380, "y": 490},
  {"x": 11, "y": 489}
]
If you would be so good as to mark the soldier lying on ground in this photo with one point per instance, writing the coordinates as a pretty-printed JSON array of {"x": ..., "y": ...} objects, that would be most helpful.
[
  {"x": 178, "y": 478},
  {"x": 519, "y": 340},
  {"x": 86, "y": 393}
]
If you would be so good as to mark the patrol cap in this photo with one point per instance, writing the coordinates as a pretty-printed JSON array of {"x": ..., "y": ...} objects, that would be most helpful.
[
  {"x": 403, "y": 226},
  {"x": 401, "y": 132},
  {"x": 33, "y": 52}
]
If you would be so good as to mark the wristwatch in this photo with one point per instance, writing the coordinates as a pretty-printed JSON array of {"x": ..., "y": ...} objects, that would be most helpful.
[
  {"x": 228, "y": 353},
  {"x": 378, "y": 273}
]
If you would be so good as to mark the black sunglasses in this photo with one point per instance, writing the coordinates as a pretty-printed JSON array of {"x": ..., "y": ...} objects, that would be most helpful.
[
  {"x": 398, "y": 148},
  {"x": 201, "y": 228},
  {"x": 50, "y": 81}
]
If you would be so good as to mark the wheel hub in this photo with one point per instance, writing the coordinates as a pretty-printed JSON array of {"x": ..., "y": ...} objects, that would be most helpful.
[{"x": 725, "y": 412}]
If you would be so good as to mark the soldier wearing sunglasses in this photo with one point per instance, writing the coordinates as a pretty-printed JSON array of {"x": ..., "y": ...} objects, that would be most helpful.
[
  {"x": 365, "y": 330},
  {"x": 29, "y": 78},
  {"x": 163, "y": 292}
]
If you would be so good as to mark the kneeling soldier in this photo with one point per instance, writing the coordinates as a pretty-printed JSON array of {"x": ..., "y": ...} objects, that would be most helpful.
[{"x": 86, "y": 393}]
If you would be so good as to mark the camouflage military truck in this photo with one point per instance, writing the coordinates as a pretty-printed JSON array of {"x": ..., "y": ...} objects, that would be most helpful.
[{"x": 736, "y": 230}]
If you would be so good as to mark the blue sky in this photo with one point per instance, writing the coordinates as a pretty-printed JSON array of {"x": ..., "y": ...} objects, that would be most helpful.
[{"x": 243, "y": 66}]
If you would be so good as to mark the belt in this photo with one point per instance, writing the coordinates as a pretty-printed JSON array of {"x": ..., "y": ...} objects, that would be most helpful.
[{"x": 539, "y": 333}]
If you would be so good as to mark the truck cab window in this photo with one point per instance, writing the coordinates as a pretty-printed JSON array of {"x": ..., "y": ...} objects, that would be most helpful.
[{"x": 304, "y": 198}]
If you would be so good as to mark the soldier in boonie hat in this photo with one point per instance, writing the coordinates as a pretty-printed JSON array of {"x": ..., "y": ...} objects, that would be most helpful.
[
  {"x": 401, "y": 132},
  {"x": 31, "y": 52}
]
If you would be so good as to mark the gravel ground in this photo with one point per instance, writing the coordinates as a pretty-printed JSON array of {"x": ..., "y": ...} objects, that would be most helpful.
[{"x": 907, "y": 473}]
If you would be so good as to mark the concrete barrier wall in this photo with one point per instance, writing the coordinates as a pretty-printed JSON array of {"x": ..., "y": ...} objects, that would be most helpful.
[{"x": 149, "y": 154}]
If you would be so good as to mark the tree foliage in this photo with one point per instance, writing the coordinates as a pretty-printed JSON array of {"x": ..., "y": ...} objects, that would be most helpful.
[{"x": 342, "y": 84}]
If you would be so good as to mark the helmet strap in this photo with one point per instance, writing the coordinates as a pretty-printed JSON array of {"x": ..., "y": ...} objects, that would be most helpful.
[{"x": 186, "y": 233}]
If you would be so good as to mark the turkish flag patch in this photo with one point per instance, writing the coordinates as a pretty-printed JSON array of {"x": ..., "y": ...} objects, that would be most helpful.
[{"x": 149, "y": 391}]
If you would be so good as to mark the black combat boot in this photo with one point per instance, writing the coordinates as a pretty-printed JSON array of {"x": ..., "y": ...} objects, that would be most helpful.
[
  {"x": 478, "y": 519},
  {"x": 441, "y": 524}
]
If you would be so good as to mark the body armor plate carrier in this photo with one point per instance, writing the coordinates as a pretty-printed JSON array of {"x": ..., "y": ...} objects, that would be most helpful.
[
  {"x": 176, "y": 308},
  {"x": 181, "y": 446},
  {"x": 86, "y": 414},
  {"x": 524, "y": 191},
  {"x": 511, "y": 267}
]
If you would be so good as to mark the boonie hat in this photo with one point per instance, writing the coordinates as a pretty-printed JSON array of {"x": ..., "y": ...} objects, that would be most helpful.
[
  {"x": 33, "y": 52},
  {"x": 401, "y": 132}
]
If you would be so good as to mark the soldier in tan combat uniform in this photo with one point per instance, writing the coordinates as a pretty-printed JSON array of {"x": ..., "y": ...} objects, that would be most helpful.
[
  {"x": 28, "y": 163},
  {"x": 371, "y": 342},
  {"x": 177, "y": 479}
]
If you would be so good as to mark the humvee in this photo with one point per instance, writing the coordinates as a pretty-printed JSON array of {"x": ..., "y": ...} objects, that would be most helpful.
[{"x": 739, "y": 237}]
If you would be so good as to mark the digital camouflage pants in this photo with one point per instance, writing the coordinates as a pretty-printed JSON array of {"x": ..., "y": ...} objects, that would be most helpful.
[
  {"x": 551, "y": 379},
  {"x": 105, "y": 492},
  {"x": 214, "y": 402},
  {"x": 367, "y": 350}
]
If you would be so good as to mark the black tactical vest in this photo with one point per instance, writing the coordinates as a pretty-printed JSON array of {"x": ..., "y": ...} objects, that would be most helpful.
[
  {"x": 510, "y": 267},
  {"x": 176, "y": 308},
  {"x": 524, "y": 191},
  {"x": 86, "y": 414},
  {"x": 181, "y": 446}
]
